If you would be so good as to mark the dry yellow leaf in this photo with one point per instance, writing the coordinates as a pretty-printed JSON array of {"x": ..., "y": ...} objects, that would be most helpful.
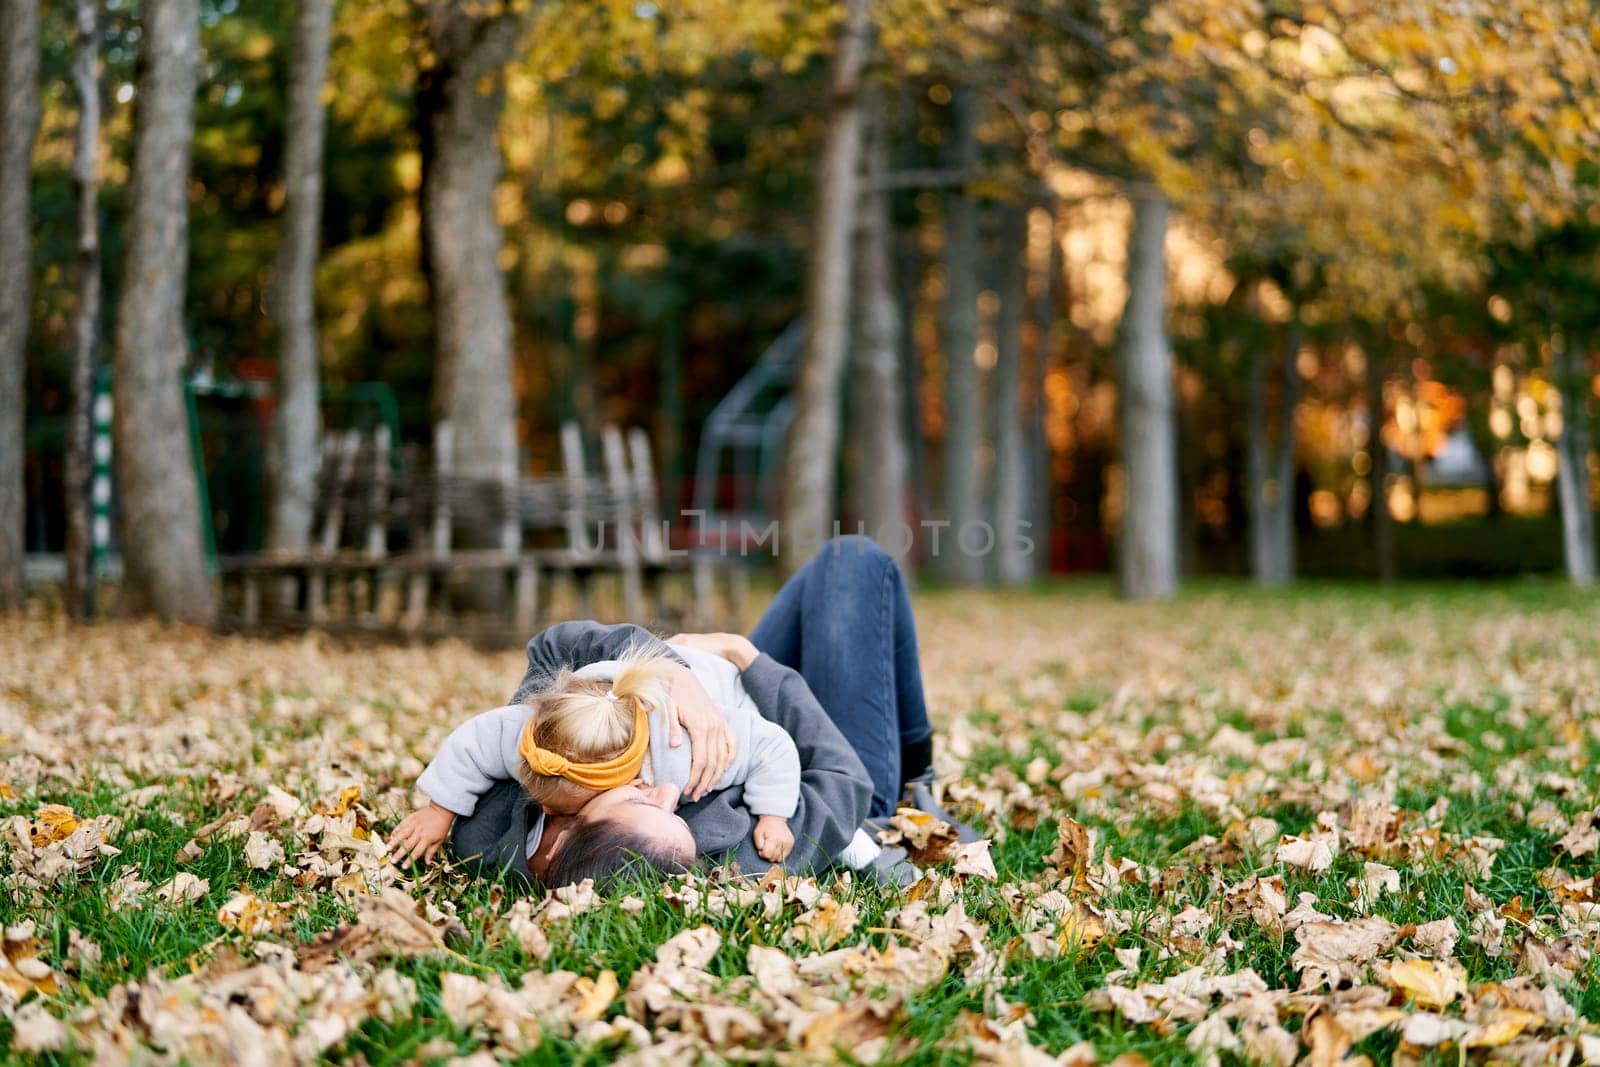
[
  {"x": 1501, "y": 1028},
  {"x": 1429, "y": 983},
  {"x": 251, "y": 915},
  {"x": 52, "y": 823},
  {"x": 595, "y": 996}
]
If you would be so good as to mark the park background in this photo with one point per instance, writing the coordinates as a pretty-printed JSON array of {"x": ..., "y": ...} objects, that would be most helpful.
[
  {"x": 1197, "y": 290},
  {"x": 1186, "y": 288}
]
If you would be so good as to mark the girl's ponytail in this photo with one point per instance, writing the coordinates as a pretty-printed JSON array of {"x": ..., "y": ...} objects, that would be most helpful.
[{"x": 639, "y": 676}]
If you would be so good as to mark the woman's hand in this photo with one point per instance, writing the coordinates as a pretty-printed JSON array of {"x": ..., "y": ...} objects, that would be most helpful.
[
  {"x": 711, "y": 748},
  {"x": 735, "y": 648},
  {"x": 421, "y": 834}
]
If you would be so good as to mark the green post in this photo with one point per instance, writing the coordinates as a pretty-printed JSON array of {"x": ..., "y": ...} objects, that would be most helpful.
[{"x": 198, "y": 456}]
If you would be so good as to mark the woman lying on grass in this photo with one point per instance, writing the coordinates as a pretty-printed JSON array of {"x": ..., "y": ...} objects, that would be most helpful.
[{"x": 832, "y": 663}]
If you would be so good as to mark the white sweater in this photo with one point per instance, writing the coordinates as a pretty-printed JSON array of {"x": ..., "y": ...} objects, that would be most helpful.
[{"x": 766, "y": 763}]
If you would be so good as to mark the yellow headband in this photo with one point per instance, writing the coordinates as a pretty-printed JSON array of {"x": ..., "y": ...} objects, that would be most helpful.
[{"x": 620, "y": 770}]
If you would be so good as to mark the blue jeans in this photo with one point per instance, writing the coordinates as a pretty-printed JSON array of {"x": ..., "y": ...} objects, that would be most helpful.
[{"x": 843, "y": 621}]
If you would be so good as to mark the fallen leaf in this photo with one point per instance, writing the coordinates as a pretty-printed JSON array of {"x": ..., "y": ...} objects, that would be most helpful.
[
  {"x": 595, "y": 996},
  {"x": 1430, "y": 983},
  {"x": 1337, "y": 953},
  {"x": 183, "y": 888},
  {"x": 389, "y": 924},
  {"x": 926, "y": 839},
  {"x": 52, "y": 823},
  {"x": 973, "y": 860},
  {"x": 252, "y": 916},
  {"x": 263, "y": 852},
  {"x": 35, "y": 1030}
]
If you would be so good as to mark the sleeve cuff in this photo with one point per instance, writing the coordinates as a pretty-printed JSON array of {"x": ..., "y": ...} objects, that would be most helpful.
[{"x": 463, "y": 804}]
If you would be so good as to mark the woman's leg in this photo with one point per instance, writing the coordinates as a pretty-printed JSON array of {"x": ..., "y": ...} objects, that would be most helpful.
[{"x": 844, "y": 622}]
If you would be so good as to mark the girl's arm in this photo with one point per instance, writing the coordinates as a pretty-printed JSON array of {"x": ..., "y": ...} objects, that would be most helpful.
[
  {"x": 477, "y": 753},
  {"x": 771, "y": 774}
]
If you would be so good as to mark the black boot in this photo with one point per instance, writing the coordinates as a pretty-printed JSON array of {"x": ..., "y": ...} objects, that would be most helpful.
[{"x": 916, "y": 761}]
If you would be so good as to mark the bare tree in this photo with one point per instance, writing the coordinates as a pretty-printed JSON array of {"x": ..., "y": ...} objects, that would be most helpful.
[
  {"x": 811, "y": 452},
  {"x": 163, "y": 555},
  {"x": 1148, "y": 553},
  {"x": 958, "y": 330},
  {"x": 1380, "y": 518},
  {"x": 1572, "y": 464},
  {"x": 1042, "y": 504},
  {"x": 1270, "y": 468},
  {"x": 1011, "y": 470},
  {"x": 86, "y": 317},
  {"x": 296, "y": 425},
  {"x": 461, "y": 98},
  {"x": 878, "y": 410},
  {"x": 19, "y": 124}
]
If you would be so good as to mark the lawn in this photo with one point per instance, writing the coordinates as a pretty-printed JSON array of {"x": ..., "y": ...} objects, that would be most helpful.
[{"x": 1246, "y": 826}]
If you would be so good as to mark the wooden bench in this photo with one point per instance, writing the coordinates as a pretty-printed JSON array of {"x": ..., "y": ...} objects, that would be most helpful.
[{"x": 386, "y": 554}]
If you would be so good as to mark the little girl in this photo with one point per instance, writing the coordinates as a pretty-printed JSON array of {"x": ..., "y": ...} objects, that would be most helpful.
[{"x": 602, "y": 726}]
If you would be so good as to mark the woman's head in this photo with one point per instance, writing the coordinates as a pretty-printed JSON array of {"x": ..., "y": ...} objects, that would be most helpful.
[
  {"x": 589, "y": 720},
  {"x": 623, "y": 831}
]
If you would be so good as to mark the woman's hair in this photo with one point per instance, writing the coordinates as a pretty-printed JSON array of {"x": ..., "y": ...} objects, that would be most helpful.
[
  {"x": 610, "y": 852},
  {"x": 575, "y": 718}
]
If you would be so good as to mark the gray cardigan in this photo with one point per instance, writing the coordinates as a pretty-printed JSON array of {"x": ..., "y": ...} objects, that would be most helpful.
[{"x": 835, "y": 790}]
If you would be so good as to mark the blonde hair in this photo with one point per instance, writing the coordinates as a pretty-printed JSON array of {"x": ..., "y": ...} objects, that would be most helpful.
[{"x": 591, "y": 720}]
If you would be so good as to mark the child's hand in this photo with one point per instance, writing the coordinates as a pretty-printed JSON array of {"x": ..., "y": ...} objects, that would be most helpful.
[
  {"x": 773, "y": 839},
  {"x": 421, "y": 834}
]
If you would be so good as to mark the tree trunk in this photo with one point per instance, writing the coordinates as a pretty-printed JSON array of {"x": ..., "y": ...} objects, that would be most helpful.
[
  {"x": 1572, "y": 468},
  {"x": 1036, "y": 407},
  {"x": 908, "y": 263},
  {"x": 1271, "y": 471},
  {"x": 958, "y": 329},
  {"x": 19, "y": 124},
  {"x": 1013, "y": 536},
  {"x": 877, "y": 411},
  {"x": 1381, "y": 521},
  {"x": 295, "y": 449},
  {"x": 473, "y": 385},
  {"x": 812, "y": 450},
  {"x": 164, "y": 560},
  {"x": 86, "y": 317},
  {"x": 1148, "y": 556}
]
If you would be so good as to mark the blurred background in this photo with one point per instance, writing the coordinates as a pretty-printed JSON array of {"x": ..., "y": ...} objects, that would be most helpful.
[{"x": 1154, "y": 289}]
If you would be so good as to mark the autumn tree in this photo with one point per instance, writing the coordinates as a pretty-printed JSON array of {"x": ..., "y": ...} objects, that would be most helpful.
[
  {"x": 1547, "y": 282},
  {"x": 19, "y": 123},
  {"x": 811, "y": 453},
  {"x": 163, "y": 556},
  {"x": 1012, "y": 471},
  {"x": 80, "y": 596},
  {"x": 958, "y": 341},
  {"x": 459, "y": 99},
  {"x": 878, "y": 425},
  {"x": 296, "y": 426},
  {"x": 1147, "y": 560}
]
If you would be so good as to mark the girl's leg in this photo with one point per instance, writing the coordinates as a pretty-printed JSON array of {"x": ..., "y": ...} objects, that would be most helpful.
[{"x": 844, "y": 622}]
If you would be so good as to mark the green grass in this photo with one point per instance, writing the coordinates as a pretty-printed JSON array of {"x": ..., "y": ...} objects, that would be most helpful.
[
  {"x": 153, "y": 936},
  {"x": 1454, "y": 730}
]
